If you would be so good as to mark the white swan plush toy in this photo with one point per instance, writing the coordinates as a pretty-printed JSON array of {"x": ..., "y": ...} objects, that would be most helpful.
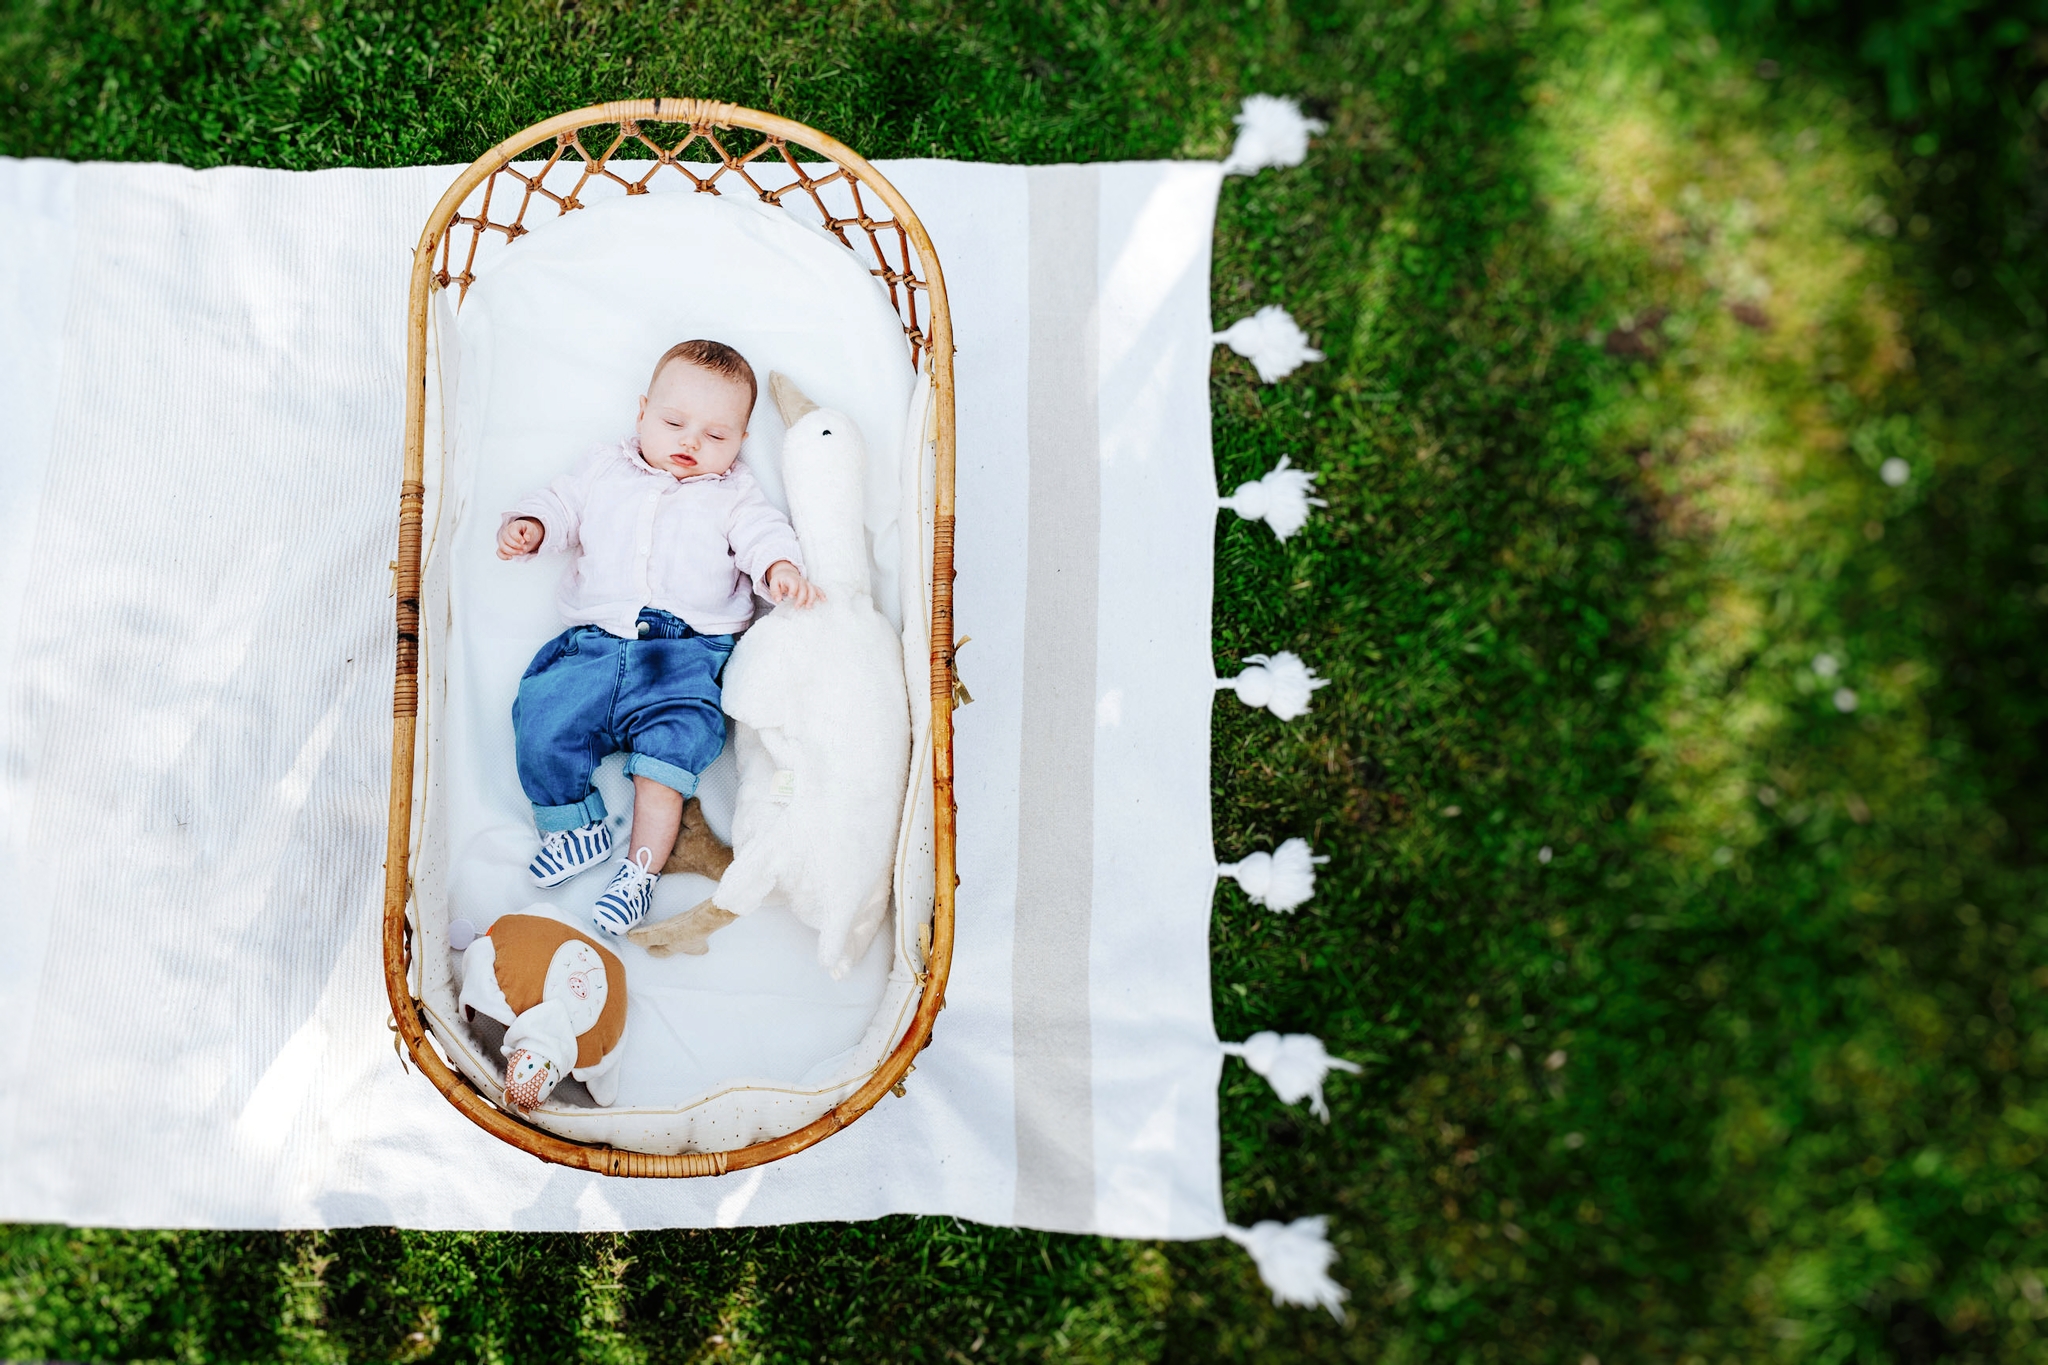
[{"x": 824, "y": 720}]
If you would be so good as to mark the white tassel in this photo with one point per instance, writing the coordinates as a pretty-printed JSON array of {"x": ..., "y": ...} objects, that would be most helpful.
[
  {"x": 1271, "y": 131},
  {"x": 1281, "y": 499},
  {"x": 1295, "y": 1063},
  {"x": 1294, "y": 1260},
  {"x": 1280, "y": 880},
  {"x": 1272, "y": 340},
  {"x": 1281, "y": 683}
]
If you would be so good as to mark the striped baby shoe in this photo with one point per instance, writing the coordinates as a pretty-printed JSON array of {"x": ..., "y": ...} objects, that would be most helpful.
[
  {"x": 566, "y": 852},
  {"x": 626, "y": 900}
]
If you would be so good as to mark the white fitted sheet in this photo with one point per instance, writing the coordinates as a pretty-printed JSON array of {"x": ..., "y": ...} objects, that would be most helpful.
[{"x": 556, "y": 340}]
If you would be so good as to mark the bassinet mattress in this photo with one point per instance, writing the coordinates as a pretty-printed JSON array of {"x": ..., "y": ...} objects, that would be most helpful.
[{"x": 545, "y": 360}]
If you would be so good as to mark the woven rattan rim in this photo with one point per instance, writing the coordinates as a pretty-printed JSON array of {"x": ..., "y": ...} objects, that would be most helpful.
[{"x": 909, "y": 271}]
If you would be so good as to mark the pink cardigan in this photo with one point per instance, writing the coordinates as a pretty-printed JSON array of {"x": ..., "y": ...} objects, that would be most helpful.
[{"x": 643, "y": 538}]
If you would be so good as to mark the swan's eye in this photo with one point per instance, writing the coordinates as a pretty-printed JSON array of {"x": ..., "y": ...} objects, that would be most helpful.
[{"x": 826, "y": 432}]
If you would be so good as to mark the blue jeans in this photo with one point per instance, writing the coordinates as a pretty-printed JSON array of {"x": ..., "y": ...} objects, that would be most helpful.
[{"x": 588, "y": 694}]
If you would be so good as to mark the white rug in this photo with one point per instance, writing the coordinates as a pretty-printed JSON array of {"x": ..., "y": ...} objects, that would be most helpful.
[{"x": 200, "y": 407}]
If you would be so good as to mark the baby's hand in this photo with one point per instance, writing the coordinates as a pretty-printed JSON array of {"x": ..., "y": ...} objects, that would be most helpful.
[
  {"x": 786, "y": 583},
  {"x": 520, "y": 536}
]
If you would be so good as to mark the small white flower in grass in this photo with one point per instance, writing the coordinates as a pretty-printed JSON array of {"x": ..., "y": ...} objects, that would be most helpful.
[
  {"x": 1272, "y": 341},
  {"x": 1826, "y": 665},
  {"x": 1280, "y": 880},
  {"x": 1279, "y": 682},
  {"x": 1271, "y": 131},
  {"x": 1294, "y": 1260},
  {"x": 1543, "y": 854},
  {"x": 1845, "y": 699},
  {"x": 1295, "y": 1064},
  {"x": 1895, "y": 472},
  {"x": 1281, "y": 499}
]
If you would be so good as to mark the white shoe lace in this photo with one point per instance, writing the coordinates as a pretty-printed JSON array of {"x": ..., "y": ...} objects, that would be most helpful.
[
  {"x": 632, "y": 882},
  {"x": 554, "y": 845},
  {"x": 639, "y": 868},
  {"x": 634, "y": 875}
]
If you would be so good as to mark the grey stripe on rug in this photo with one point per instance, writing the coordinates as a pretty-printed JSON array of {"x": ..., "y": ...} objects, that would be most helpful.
[{"x": 1056, "y": 779}]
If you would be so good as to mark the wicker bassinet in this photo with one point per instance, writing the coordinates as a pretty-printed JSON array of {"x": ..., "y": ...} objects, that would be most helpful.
[{"x": 709, "y": 148}]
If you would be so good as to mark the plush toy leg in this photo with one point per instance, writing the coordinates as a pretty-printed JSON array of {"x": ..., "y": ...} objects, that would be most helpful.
[
  {"x": 689, "y": 932},
  {"x": 604, "y": 1087},
  {"x": 845, "y": 923},
  {"x": 697, "y": 848},
  {"x": 750, "y": 880}
]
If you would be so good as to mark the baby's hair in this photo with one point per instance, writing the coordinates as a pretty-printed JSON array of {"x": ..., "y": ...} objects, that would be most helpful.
[{"x": 715, "y": 356}]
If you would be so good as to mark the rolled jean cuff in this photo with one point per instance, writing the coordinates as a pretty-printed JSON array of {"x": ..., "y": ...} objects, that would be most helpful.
[
  {"x": 575, "y": 815},
  {"x": 667, "y": 774}
]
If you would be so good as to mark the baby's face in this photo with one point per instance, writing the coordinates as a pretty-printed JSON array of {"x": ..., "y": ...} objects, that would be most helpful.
[{"x": 692, "y": 421}]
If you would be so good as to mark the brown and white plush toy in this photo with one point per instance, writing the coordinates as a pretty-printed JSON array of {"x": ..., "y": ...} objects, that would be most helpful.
[{"x": 561, "y": 996}]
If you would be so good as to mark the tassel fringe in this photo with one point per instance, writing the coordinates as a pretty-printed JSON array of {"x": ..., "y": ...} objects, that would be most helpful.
[
  {"x": 1280, "y": 682},
  {"x": 1295, "y": 1065},
  {"x": 1271, "y": 131},
  {"x": 1280, "y": 880},
  {"x": 1281, "y": 499},
  {"x": 1272, "y": 341},
  {"x": 1294, "y": 1260}
]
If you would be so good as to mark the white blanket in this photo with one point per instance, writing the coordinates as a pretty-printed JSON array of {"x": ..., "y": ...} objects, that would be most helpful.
[{"x": 199, "y": 446}]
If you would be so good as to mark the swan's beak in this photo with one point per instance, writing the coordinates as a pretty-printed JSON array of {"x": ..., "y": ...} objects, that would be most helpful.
[{"x": 789, "y": 399}]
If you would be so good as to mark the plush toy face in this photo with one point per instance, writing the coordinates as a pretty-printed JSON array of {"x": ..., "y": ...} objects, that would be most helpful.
[
  {"x": 529, "y": 1079},
  {"x": 823, "y": 464},
  {"x": 576, "y": 977}
]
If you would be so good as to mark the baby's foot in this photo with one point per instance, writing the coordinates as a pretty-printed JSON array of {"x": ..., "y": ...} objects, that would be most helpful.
[
  {"x": 566, "y": 852},
  {"x": 624, "y": 902}
]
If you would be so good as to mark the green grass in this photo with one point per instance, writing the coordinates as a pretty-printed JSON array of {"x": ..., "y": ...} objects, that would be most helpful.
[{"x": 1626, "y": 306}]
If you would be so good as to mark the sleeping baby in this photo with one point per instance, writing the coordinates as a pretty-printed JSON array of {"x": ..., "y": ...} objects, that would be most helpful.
[{"x": 671, "y": 536}]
